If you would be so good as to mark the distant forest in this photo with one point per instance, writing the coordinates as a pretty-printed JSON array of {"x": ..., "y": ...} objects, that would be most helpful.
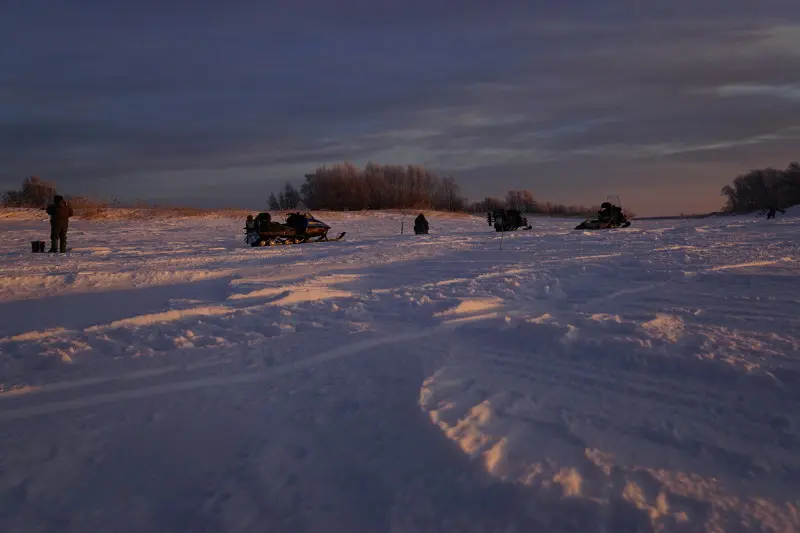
[
  {"x": 762, "y": 189},
  {"x": 346, "y": 187}
]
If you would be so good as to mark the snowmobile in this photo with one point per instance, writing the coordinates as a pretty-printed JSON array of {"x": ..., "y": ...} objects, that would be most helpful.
[
  {"x": 298, "y": 228},
  {"x": 772, "y": 212},
  {"x": 507, "y": 220},
  {"x": 610, "y": 216}
]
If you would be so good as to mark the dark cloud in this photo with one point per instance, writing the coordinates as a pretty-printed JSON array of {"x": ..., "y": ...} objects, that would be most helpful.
[{"x": 111, "y": 97}]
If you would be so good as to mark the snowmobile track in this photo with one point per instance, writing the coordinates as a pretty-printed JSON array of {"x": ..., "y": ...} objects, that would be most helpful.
[{"x": 58, "y": 406}]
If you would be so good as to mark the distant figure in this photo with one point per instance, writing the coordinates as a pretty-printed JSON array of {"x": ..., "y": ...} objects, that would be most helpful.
[
  {"x": 60, "y": 214},
  {"x": 420, "y": 225},
  {"x": 250, "y": 232},
  {"x": 249, "y": 227}
]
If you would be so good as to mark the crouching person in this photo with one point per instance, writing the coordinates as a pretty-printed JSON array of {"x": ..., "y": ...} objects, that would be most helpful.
[
  {"x": 421, "y": 225},
  {"x": 60, "y": 214}
]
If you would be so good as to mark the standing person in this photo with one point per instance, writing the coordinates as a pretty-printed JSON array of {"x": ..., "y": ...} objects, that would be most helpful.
[{"x": 59, "y": 213}]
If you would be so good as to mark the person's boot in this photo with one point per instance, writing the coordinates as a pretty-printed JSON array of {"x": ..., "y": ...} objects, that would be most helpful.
[
  {"x": 64, "y": 244},
  {"x": 53, "y": 246}
]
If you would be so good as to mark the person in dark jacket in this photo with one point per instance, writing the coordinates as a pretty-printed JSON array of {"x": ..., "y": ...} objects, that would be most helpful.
[
  {"x": 420, "y": 225},
  {"x": 59, "y": 213}
]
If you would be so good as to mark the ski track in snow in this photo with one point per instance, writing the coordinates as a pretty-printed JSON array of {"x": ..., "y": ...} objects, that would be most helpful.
[{"x": 165, "y": 377}]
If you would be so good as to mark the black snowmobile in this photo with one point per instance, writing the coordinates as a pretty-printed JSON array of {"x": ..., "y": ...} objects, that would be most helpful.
[
  {"x": 610, "y": 216},
  {"x": 507, "y": 220},
  {"x": 772, "y": 212},
  {"x": 262, "y": 231}
]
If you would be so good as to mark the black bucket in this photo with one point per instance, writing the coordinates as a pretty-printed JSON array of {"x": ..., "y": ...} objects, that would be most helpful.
[{"x": 37, "y": 246}]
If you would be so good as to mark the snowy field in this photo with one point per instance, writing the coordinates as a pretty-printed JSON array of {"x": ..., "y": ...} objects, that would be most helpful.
[{"x": 164, "y": 377}]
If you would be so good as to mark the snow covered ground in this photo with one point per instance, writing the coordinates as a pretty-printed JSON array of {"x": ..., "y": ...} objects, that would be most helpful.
[{"x": 165, "y": 377}]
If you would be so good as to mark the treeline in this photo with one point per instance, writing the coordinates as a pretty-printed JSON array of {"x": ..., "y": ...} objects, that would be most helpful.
[
  {"x": 35, "y": 193},
  {"x": 763, "y": 189},
  {"x": 346, "y": 187}
]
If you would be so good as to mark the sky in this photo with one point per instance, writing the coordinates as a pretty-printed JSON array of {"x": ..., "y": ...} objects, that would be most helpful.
[{"x": 214, "y": 103}]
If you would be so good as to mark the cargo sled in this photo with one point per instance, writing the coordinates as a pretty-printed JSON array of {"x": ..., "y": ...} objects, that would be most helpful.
[
  {"x": 507, "y": 220},
  {"x": 298, "y": 228},
  {"x": 610, "y": 216}
]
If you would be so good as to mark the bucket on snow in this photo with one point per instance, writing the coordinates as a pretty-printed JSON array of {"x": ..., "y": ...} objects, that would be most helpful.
[{"x": 37, "y": 246}]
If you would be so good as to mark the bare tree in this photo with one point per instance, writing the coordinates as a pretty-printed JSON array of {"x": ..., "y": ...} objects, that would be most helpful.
[
  {"x": 289, "y": 197},
  {"x": 344, "y": 186}
]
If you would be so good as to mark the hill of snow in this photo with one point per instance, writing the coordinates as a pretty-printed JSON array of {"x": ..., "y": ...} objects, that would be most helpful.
[{"x": 163, "y": 376}]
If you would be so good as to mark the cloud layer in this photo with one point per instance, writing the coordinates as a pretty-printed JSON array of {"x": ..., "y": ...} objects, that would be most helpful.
[{"x": 660, "y": 102}]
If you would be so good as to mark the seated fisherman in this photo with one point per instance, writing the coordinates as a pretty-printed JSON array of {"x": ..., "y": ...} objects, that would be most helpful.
[
  {"x": 298, "y": 222},
  {"x": 605, "y": 212},
  {"x": 420, "y": 225},
  {"x": 261, "y": 222}
]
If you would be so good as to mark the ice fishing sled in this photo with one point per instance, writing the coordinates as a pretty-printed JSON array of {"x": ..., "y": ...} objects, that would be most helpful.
[
  {"x": 610, "y": 216},
  {"x": 298, "y": 228},
  {"x": 507, "y": 220}
]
